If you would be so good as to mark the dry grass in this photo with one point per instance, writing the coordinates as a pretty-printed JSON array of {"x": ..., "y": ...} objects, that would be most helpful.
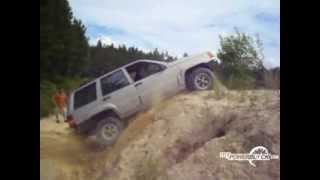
[
  {"x": 219, "y": 90},
  {"x": 271, "y": 80},
  {"x": 150, "y": 169},
  {"x": 243, "y": 96}
]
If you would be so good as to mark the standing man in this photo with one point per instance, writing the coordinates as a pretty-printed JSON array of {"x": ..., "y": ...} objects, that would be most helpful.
[{"x": 59, "y": 100}]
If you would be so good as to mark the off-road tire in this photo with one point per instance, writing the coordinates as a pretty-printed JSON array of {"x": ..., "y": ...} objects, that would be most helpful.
[
  {"x": 108, "y": 130},
  {"x": 195, "y": 78}
]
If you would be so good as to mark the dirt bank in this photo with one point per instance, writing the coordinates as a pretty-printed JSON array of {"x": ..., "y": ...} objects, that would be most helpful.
[{"x": 178, "y": 139}]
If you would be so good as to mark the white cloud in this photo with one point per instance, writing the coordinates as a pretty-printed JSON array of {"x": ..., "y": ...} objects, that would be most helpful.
[
  {"x": 105, "y": 40},
  {"x": 271, "y": 62},
  {"x": 181, "y": 25}
]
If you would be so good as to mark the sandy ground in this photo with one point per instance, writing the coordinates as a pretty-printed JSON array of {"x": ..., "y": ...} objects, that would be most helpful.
[{"x": 180, "y": 138}]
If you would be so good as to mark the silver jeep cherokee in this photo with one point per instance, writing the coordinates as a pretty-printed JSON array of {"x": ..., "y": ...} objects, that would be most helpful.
[{"x": 99, "y": 107}]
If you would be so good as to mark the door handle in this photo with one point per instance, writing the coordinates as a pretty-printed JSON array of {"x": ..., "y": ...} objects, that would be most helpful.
[
  {"x": 106, "y": 98},
  {"x": 138, "y": 84}
]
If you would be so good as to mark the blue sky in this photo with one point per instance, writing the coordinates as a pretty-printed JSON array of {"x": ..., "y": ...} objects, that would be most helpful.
[{"x": 180, "y": 26}]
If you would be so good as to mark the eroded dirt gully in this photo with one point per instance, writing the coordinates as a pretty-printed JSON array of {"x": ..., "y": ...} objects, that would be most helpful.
[{"x": 180, "y": 138}]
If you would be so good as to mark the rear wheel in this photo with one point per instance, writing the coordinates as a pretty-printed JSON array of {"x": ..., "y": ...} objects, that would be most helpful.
[
  {"x": 108, "y": 130},
  {"x": 200, "y": 79}
]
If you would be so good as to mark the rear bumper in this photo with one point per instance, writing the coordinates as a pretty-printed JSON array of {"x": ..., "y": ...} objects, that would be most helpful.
[
  {"x": 71, "y": 121},
  {"x": 85, "y": 127}
]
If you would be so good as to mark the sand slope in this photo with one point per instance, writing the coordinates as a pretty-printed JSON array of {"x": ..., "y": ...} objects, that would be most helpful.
[{"x": 180, "y": 138}]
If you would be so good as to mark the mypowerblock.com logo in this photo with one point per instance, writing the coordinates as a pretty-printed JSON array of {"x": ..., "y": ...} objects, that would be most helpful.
[{"x": 258, "y": 153}]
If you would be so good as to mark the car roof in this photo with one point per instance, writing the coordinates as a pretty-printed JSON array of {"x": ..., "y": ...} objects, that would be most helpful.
[{"x": 110, "y": 72}]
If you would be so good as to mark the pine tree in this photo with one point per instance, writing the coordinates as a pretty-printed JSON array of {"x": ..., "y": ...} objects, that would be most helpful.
[
  {"x": 99, "y": 44},
  {"x": 63, "y": 45}
]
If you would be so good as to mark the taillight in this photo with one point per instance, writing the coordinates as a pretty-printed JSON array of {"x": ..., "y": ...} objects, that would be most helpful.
[
  {"x": 210, "y": 55},
  {"x": 70, "y": 121},
  {"x": 69, "y": 118},
  {"x": 72, "y": 124}
]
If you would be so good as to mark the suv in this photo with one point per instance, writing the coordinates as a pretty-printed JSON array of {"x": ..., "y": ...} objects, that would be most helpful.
[{"x": 99, "y": 107}]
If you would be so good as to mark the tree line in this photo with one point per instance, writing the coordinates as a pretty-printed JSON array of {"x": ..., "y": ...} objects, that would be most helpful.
[{"x": 104, "y": 58}]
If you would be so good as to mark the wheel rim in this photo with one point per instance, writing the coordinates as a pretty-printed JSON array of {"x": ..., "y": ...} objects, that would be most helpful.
[
  {"x": 202, "y": 81},
  {"x": 110, "y": 131}
]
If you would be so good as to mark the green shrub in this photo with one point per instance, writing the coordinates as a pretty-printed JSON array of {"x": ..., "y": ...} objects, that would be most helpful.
[
  {"x": 46, "y": 91},
  {"x": 240, "y": 82}
]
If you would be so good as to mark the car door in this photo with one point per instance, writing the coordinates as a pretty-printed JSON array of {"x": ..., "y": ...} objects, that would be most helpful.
[
  {"x": 118, "y": 90},
  {"x": 83, "y": 101},
  {"x": 156, "y": 82}
]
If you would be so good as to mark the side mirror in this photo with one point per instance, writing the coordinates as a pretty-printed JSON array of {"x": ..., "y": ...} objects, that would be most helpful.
[{"x": 218, "y": 61}]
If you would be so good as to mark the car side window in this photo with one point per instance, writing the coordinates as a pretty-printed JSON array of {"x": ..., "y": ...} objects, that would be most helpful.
[
  {"x": 153, "y": 68},
  {"x": 142, "y": 70},
  {"x": 113, "y": 82},
  {"x": 85, "y": 95}
]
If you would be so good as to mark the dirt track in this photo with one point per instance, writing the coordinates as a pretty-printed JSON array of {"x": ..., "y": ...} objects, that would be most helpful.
[{"x": 178, "y": 139}]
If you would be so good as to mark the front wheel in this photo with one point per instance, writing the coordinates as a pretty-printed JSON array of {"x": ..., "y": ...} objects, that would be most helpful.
[
  {"x": 108, "y": 131},
  {"x": 201, "y": 79}
]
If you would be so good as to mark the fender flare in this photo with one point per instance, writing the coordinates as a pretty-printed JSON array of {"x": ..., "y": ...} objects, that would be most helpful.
[{"x": 89, "y": 125}]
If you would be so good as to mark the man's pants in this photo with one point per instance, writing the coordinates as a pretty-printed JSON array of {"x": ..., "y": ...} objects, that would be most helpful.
[{"x": 60, "y": 112}]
